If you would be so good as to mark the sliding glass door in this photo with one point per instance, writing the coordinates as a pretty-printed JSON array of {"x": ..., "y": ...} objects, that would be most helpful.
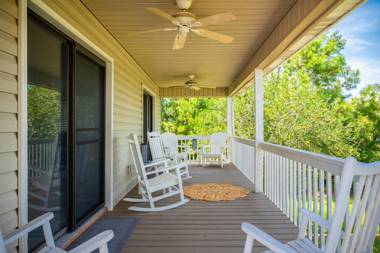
[{"x": 65, "y": 129}]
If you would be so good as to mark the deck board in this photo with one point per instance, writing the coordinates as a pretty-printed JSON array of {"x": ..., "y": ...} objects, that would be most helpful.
[{"x": 206, "y": 226}]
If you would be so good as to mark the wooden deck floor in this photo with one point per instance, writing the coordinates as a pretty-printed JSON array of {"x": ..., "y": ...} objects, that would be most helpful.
[{"x": 208, "y": 227}]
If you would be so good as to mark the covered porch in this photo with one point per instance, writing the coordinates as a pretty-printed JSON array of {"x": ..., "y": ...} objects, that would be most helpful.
[{"x": 136, "y": 73}]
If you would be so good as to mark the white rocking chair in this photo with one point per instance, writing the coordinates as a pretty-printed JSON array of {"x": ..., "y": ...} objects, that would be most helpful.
[
  {"x": 165, "y": 181},
  {"x": 216, "y": 149},
  {"x": 158, "y": 154},
  {"x": 351, "y": 229},
  {"x": 171, "y": 147},
  {"x": 97, "y": 242}
]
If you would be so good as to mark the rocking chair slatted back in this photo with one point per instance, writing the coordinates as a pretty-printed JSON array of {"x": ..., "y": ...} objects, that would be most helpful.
[
  {"x": 170, "y": 142},
  {"x": 218, "y": 142},
  {"x": 137, "y": 157},
  {"x": 155, "y": 145},
  {"x": 357, "y": 212}
]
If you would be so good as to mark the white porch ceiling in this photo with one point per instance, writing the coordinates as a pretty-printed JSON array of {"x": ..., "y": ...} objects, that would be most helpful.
[{"x": 213, "y": 63}]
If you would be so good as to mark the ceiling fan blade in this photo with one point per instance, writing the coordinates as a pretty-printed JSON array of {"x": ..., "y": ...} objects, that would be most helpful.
[
  {"x": 162, "y": 14},
  {"x": 179, "y": 41},
  {"x": 215, "y": 19},
  {"x": 213, "y": 35},
  {"x": 153, "y": 30}
]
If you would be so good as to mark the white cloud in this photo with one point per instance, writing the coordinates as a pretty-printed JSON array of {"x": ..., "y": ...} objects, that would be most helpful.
[
  {"x": 369, "y": 71},
  {"x": 355, "y": 43}
]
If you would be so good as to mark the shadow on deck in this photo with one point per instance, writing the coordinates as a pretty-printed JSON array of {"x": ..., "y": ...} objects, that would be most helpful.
[{"x": 206, "y": 226}]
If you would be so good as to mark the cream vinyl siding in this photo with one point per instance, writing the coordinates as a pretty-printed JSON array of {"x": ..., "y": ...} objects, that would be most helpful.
[
  {"x": 8, "y": 115},
  {"x": 128, "y": 77}
]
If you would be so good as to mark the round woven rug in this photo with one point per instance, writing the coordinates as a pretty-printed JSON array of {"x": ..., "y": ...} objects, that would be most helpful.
[{"x": 215, "y": 192}]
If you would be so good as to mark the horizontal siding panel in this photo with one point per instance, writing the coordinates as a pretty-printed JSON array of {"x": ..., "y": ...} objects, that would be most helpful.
[
  {"x": 8, "y": 23},
  {"x": 8, "y": 44},
  {"x": 8, "y": 122},
  {"x": 8, "y": 83},
  {"x": 8, "y": 162},
  {"x": 8, "y": 201},
  {"x": 8, "y": 182},
  {"x": 8, "y": 222},
  {"x": 10, "y": 7},
  {"x": 8, "y": 63},
  {"x": 8, "y": 142},
  {"x": 8, "y": 103}
]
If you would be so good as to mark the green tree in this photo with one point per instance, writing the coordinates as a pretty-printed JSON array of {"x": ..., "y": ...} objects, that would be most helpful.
[
  {"x": 364, "y": 119},
  {"x": 43, "y": 112},
  {"x": 305, "y": 106},
  {"x": 193, "y": 116},
  {"x": 326, "y": 66}
]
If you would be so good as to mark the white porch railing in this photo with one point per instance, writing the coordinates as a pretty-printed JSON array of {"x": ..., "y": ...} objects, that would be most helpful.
[
  {"x": 194, "y": 143},
  {"x": 243, "y": 156},
  {"x": 294, "y": 179},
  {"x": 41, "y": 156}
]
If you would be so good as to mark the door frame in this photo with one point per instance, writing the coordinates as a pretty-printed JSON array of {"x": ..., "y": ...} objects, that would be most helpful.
[{"x": 50, "y": 16}]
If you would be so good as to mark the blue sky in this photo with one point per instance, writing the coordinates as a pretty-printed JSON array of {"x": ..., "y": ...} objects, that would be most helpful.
[{"x": 361, "y": 30}]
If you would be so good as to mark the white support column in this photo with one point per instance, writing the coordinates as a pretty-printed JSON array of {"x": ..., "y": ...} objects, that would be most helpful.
[
  {"x": 230, "y": 126},
  {"x": 22, "y": 122},
  {"x": 259, "y": 100}
]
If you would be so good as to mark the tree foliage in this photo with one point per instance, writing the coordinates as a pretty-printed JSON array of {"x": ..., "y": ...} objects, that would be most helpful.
[
  {"x": 306, "y": 106},
  {"x": 193, "y": 116},
  {"x": 44, "y": 112}
]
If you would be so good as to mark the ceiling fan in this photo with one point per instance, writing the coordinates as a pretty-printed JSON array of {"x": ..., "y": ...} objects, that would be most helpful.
[
  {"x": 186, "y": 21},
  {"x": 192, "y": 84}
]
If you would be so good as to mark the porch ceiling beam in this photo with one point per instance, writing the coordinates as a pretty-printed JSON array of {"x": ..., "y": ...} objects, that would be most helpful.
[{"x": 304, "y": 21}]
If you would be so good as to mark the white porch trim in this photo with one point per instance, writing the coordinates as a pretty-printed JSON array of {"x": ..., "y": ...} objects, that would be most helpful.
[
  {"x": 230, "y": 125},
  {"x": 259, "y": 100}
]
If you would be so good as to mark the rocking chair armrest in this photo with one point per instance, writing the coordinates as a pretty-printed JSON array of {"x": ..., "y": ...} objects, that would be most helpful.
[
  {"x": 98, "y": 241},
  {"x": 268, "y": 241},
  {"x": 156, "y": 163},
  {"x": 42, "y": 220},
  {"x": 311, "y": 216},
  {"x": 162, "y": 169}
]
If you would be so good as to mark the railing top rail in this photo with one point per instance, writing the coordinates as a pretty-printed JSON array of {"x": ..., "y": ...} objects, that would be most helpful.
[
  {"x": 368, "y": 168},
  {"x": 192, "y": 137},
  {"x": 328, "y": 163},
  {"x": 245, "y": 141}
]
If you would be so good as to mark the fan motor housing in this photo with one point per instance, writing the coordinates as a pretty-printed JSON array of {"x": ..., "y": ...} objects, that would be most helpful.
[
  {"x": 185, "y": 18},
  {"x": 184, "y": 4}
]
